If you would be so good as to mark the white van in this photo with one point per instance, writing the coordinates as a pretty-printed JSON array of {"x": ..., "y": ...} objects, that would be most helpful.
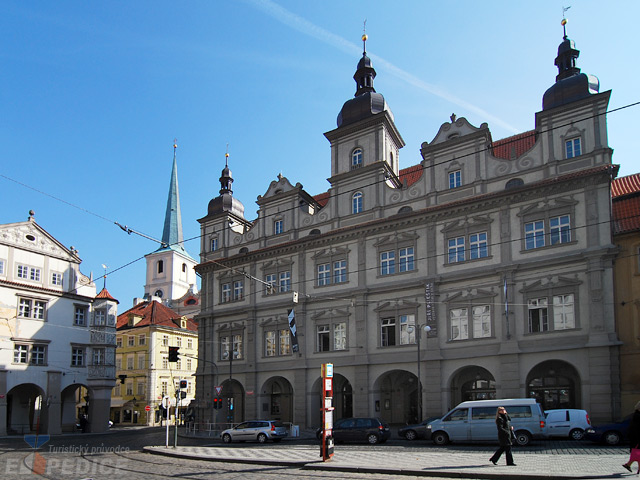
[
  {"x": 475, "y": 421},
  {"x": 567, "y": 422}
]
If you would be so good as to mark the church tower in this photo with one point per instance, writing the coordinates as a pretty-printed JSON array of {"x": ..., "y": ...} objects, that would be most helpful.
[{"x": 170, "y": 269}]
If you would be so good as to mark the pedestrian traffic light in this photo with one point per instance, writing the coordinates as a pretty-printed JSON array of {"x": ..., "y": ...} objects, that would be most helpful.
[
  {"x": 184, "y": 384},
  {"x": 216, "y": 403},
  {"x": 173, "y": 354}
]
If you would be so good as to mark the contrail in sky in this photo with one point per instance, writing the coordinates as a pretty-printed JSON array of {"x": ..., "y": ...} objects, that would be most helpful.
[{"x": 306, "y": 27}]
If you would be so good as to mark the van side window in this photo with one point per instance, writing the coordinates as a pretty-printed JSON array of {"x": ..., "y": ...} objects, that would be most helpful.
[
  {"x": 458, "y": 414},
  {"x": 483, "y": 413},
  {"x": 517, "y": 411}
]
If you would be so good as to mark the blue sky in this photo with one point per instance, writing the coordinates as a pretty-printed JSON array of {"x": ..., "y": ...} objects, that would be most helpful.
[{"x": 93, "y": 94}]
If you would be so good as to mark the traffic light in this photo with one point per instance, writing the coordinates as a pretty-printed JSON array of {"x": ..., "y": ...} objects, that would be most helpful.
[
  {"x": 184, "y": 384},
  {"x": 173, "y": 354},
  {"x": 217, "y": 403}
]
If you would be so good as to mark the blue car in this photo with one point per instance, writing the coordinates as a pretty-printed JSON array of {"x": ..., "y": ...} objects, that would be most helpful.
[{"x": 609, "y": 433}]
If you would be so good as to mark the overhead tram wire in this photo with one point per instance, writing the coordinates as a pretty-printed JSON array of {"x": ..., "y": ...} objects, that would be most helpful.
[{"x": 374, "y": 183}]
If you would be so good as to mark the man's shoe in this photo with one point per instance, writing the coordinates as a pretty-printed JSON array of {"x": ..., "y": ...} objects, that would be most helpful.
[
  {"x": 492, "y": 461},
  {"x": 511, "y": 465}
]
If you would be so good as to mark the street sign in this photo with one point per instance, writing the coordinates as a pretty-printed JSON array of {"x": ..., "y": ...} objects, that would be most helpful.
[
  {"x": 147, "y": 408},
  {"x": 218, "y": 390}
]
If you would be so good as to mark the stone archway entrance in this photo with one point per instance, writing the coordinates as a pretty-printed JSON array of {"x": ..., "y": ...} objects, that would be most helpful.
[
  {"x": 396, "y": 397},
  {"x": 276, "y": 400},
  {"x": 342, "y": 399},
  {"x": 554, "y": 384},
  {"x": 472, "y": 383},
  {"x": 25, "y": 409},
  {"x": 233, "y": 407}
]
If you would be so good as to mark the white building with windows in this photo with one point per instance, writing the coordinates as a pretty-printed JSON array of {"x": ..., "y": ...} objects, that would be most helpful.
[
  {"x": 56, "y": 336},
  {"x": 502, "y": 248}
]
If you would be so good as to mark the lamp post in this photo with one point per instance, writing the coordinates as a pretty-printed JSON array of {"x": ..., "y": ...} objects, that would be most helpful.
[{"x": 418, "y": 332}]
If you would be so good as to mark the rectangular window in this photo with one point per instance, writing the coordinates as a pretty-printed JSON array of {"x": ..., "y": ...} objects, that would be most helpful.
[
  {"x": 324, "y": 274},
  {"x": 339, "y": 271},
  {"x": 278, "y": 227},
  {"x": 538, "y": 321},
  {"x": 405, "y": 257},
  {"x": 270, "y": 280},
  {"x": 226, "y": 293},
  {"x": 38, "y": 355},
  {"x": 481, "y": 321},
  {"x": 478, "y": 245},
  {"x": 118, "y": 342},
  {"x": 190, "y": 343},
  {"x": 142, "y": 339},
  {"x": 130, "y": 362},
  {"x": 214, "y": 244},
  {"x": 573, "y": 148},
  {"x": 165, "y": 340},
  {"x": 20, "y": 354},
  {"x": 189, "y": 365},
  {"x": 24, "y": 308},
  {"x": 388, "y": 262},
  {"x": 560, "y": 229},
  {"x": 140, "y": 388},
  {"x": 388, "y": 332},
  {"x": 534, "y": 234},
  {"x": 39, "y": 309},
  {"x": 141, "y": 362},
  {"x": 235, "y": 342},
  {"x": 101, "y": 318},
  {"x": 129, "y": 388},
  {"x": 455, "y": 179},
  {"x": 563, "y": 312},
  {"x": 179, "y": 365},
  {"x": 56, "y": 279},
  {"x": 285, "y": 342},
  {"x": 459, "y": 318},
  {"x": 238, "y": 290},
  {"x": 340, "y": 336},
  {"x": 164, "y": 388},
  {"x": 270, "y": 347},
  {"x": 456, "y": 249},
  {"x": 28, "y": 273},
  {"x": 165, "y": 362},
  {"x": 131, "y": 341},
  {"x": 77, "y": 357},
  {"x": 284, "y": 281},
  {"x": 178, "y": 341},
  {"x": 407, "y": 329},
  {"x": 35, "y": 309},
  {"x": 117, "y": 390},
  {"x": 1, "y": 267},
  {"x": 80, "y": 318},
  {"x": 324, "y": 338},
  {"x": 118, "y": 362}
]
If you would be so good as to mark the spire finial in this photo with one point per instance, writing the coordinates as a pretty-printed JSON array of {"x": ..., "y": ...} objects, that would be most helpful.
[
  {"x": 175, "y": 146},
  {"x": 365, "y": 37},
  {"x": 564, "y": 21},
  {"x": 226, "y": 157},
  {"x": 105, "y": 276}
]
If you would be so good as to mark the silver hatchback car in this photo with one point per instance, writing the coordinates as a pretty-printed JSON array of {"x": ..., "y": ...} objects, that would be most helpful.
[{"x": 255, "y": 430}]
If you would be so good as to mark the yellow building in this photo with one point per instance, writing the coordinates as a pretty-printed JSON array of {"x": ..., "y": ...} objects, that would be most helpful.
[
  {"x": 144, "y": 335},
  {"x": 625, "y": 192}
]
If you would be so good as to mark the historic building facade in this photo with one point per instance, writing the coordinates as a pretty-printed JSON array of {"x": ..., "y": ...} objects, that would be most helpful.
[
  {"x": 626, "y": 235},
  {"x": 56, "y": 336},
  {"x": 502, "y": 249}
]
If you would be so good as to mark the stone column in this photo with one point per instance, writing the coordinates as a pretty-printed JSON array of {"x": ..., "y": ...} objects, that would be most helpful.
[
  {"x": 3, "y": 403},
  {"x": 51, "y": 404},
  {"x": 99, "y": 404}
]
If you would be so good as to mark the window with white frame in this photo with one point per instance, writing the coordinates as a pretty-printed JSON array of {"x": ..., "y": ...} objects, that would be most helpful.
[
  {"x": 549, "y": 225},
  {"x": 356, "y": 158},
  {"x": 284, "y": 281},
  {"x": 179, "y": 365},
  {"x": 1, "y": 267},
  {"x": 388, "y": 332},
  {"x": 324, "y": 274},
  {"x": 388, "y": 262},
  {"x": 118, "y": 342},
  {"x": 459, "y": 323},
  {"x": 340, "y": 336},
  {"x": 20, "y": 353},
  {"x": 396, "y": 254},
  {"x": 238, "y": 290},
  {"x": 32, "y": 308},
  {"x": 407, "y": 329},
  {"x": 189, "y": 343},
  {"x": 118, "y": 362},
  {"x": 141, "y": 362},
  {"x": 534, "y": 234},
  {"x": 99, "y": 357},
  {"x": 142, "y": 339},
  {"x": 140, "y": 387},
  {"x": 458, "y": 251},
  {"x": 455, "y": 179},
  {"x": 331, "y": 336},
  {"x": 356, "y": 202},
  {"x": 270, "y": 283},
  {"x": 26, "y": 272},
  {"x": 77, "y": 356},
  {"x": 178, "y": 341},
  {"x": 323, "y": 333},
  {"x": 117, "y": 390},
  {"x": 231, "y": 288},
  {"x": 339, "y": 271},
  {"x": 213, "y": 244},
  {"x": 165, "y": 340},
  {"x": 278, "y": 226},
  {"x": 231, "y": 344},
  {"x": 481, "y": 320},
  {"x": 277, "y": 342},
  {"x": 405, "y": 259},
  {"x": 129, "y": 388},
  {"x": 563, "y": 313},
  {"x": 100, "y": 318},
  {"x": 80, "y": 315},
  {"x": 131, "y": 341},
  {"x": 38, "y": 355},
  {"x": 478, "y": 247},
  {"x": 165, "y": 362},
  {"x": 188, "y": 364},
  {"x": 470, "y": 319},
  {"x": 164, "y": 389},
  {"x": 130, "y": 360},
  {"x": 331, "y": 266},
  {"x": 32, "y": 354},
  {"x": 56, "y": 279},
  {"x": 573, "y": 147},
  {"x": 538, "y": 315},
  {"x": 225, "y": 292},
  {"x": 559, "y": 229}
]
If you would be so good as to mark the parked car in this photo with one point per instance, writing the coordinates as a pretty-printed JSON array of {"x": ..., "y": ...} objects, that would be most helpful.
[
  {"x": 255, "y": 430},
  {"x": 475, "y": 421},
  {"x": 370, "y": 430},
  {"x": 610, "y": 433},
  {"x": 567, "y": 422},
  {"x": 418, "y": 431}
]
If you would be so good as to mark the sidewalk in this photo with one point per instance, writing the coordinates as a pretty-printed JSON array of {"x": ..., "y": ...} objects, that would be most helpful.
[{"x": 427, "y": 464}]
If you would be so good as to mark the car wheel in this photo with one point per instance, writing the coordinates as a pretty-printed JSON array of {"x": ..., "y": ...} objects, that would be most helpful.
[
  {"x": 523, "y": 438},
  {"x": 576, "y": 434},
  {"x": 410, "y": 435},
  {"x": 440, "y": 438},
  {"x": 262, "y": 438},
  {"x": 611, "y": 438},
  {"x": 372, "y": 438},
  {"x": 226, "y": 438}
]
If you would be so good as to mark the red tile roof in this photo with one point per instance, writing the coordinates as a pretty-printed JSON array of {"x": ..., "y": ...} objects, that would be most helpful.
[
  {"x": 514, "y": 147},
  {"x": 153, "y": 313},
  {"x": 411, "y": 174},
  {"x": 626, "y": 214},
  {"x": 104, "y": 293},
  {"x": 625, "y": 185},
  {"x": 322, "y": 198}
]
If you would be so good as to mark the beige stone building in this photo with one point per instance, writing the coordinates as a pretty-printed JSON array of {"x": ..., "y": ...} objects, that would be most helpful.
[{"x": 502, "y": 248}]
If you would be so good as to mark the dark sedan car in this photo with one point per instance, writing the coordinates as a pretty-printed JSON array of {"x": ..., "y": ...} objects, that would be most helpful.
[
  {"x": 370, "y": 430},
  {"x": 418, "y": 431},
  {"x": 609, "y": 433}
]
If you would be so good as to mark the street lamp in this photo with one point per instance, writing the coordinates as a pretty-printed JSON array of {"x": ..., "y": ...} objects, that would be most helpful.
[{"x": 419, "y": 330}]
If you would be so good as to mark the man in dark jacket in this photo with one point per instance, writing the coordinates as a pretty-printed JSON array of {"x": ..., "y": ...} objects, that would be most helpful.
[{"x": 505, "y": 432}]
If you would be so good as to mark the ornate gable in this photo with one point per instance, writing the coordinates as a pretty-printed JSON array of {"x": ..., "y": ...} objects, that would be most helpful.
[{"x": 32, "y": 237}]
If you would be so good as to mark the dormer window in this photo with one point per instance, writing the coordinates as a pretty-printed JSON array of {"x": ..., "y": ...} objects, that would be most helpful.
[
  {"x": 356, "y": 158},
  {"x": 573, "y": 148}
]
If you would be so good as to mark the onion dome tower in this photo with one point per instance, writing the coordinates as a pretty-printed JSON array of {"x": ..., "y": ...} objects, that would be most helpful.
[
  {"x": 571, "y": 85},
  {"x": 225, "y": 202}
]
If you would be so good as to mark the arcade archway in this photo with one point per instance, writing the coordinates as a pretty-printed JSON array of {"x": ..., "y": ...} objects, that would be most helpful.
[
  {"x": 396, "y": 397},
  {"x": 554, "y": 384},
  {"x": 276, "y": 400},
  {"x": 472, "y": 383}
]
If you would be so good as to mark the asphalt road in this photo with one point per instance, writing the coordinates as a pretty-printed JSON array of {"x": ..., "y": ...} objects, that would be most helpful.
[{"x": 118, "y": 454}]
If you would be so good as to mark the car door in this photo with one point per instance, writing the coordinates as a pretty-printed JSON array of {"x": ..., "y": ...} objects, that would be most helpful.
[
  {"x": 483, "y": 424},
  {"x": 345, "y": 430},
  {"x": 558, "y": 423},
  {"x": 241, "y": 431},
  {"x": 456, "y": 424}
]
